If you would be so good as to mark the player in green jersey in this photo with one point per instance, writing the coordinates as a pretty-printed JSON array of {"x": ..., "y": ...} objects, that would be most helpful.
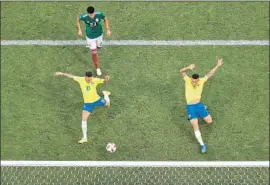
[{"x": 94, "y": 32}]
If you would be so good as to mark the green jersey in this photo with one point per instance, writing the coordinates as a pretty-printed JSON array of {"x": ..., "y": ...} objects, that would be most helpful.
[{"x": 93, "y": 25}]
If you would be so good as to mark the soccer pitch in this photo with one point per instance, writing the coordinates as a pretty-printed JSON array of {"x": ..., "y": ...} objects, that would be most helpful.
[{"x": 41, "y": 114}]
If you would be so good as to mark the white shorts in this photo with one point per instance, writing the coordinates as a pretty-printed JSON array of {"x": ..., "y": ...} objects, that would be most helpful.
[{"x": 94, "y": 43}]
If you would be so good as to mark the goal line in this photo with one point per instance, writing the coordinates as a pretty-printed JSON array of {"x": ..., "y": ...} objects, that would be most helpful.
[
  {"x": 138, "y": 163},
  {"x": 134, "y": 172}
]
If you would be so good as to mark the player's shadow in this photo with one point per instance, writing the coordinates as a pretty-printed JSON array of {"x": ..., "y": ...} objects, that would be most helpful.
[
  {"x": 178, "y": 113},
  {"x": 84, "y": 56},
  {"x": 176, "y": 108},
  {"x": 181, "y": 121}
]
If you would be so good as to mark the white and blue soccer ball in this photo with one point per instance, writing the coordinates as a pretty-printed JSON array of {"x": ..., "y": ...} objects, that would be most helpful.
[{"x": 111, "y": 147}]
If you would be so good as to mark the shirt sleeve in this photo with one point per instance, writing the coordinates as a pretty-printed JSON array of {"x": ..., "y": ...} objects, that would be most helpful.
[
  {"x": 102, "y": 16},
  {"x": 82, "y": 17},
  {"x": 186, "y": 78},
  {"x": 99, "y": 81},
  {"x": 76, "y": 78},
  {"x": 204, "y": 79}
]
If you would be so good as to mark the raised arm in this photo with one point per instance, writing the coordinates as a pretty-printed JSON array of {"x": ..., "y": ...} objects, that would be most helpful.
[
  {"x": 185, "y": 69},
  {"x": 64, "y": 74},
  {"x": 212, "y": 72},
  {"x": 79, "y": 26}
]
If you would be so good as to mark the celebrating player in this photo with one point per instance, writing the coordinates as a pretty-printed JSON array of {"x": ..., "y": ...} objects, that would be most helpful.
[
  {"x": 94, "y": 32},
  {"x": 88, "y": 86},
  {"x": 193, "y": 91}
]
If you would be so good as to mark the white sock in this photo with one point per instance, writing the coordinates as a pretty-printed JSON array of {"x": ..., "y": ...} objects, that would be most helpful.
[
  {"x": 84, "y": 129},
  {"x": 106, "y": 97},
  {"x": 199, "y": 136}
]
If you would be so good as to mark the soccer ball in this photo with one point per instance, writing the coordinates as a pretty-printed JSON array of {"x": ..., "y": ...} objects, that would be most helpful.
[{"x": 111, "y": 147}]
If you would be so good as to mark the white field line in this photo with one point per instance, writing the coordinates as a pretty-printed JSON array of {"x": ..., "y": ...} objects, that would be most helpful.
[
  {"x": 138, "y": 42},
  {"x": 140, "y": 163}
]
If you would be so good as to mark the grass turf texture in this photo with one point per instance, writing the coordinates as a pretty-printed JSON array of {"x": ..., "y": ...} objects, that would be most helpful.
[
  {"x": 139, "y": 20},
  {"x": 41, "y": 114}
]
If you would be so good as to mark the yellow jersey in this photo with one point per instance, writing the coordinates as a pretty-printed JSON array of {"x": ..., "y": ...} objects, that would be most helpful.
[
  {"x": 89, "y": 90},
  {"x": 193, "y": 93}
]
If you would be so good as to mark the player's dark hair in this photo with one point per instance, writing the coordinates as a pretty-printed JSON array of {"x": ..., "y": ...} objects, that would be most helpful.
[
  {"x": 195, "y": 76},
  {"x": 88, "y": 74},
  {"x": 90, "y": 9}
]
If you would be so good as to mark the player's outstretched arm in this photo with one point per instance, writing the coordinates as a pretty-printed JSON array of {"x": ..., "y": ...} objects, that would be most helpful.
[
  {"x": 106, "y": 79},
  {"x": 64, "y": 74},
  {"x": 212, "y": 72},
  {"x": 108, "y": 30},
  {"x": 79, "y": 26},
  {"x": 185, "y": 69}
]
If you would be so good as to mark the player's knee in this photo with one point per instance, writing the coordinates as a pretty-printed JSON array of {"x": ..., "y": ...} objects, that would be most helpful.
[
  {"x": 85, "y": 115},
  {"x": 209, "y": 120},
  {"x": 94, "y": 51},
  {"x": 194, "y": 123},
  {"x": 84, "y": 118}
]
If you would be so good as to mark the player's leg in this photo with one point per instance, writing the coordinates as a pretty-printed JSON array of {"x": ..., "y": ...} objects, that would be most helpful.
[
  {"x": 193, "y": 118},
  {"x": 104, "y": 101},
  {"x": 99, "y": 41},
  {"x": 107, "y": 98},
  {"x": 208, "y": 119},
  {"x": 92, "y": 43},
  {"x": 203, "y": 113},
  {"x": 195, "y": 125},
  {"x": 87, "y": 109}
]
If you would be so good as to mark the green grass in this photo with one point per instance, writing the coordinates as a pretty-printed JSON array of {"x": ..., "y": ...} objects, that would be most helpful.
[
  {"x": 41, "y": 114},
  {"x": 139, "y": 20}
]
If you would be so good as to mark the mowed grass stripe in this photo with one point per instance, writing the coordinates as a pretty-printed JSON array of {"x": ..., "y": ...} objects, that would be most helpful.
[
  {"x": 141, "y": 42},
  {"x": 147, "y": 119},
  {"x": 139, "y": 20}
]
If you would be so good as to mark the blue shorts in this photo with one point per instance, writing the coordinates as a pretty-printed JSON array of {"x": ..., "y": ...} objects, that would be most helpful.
[
  {"x": 197, "y": 110},
  {"x": 90, "y": 106}
]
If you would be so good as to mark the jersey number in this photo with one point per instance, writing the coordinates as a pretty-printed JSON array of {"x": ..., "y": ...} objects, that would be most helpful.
[
  {"x": 87, "y": 88},
  {"x": 93, "y": 24}
]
